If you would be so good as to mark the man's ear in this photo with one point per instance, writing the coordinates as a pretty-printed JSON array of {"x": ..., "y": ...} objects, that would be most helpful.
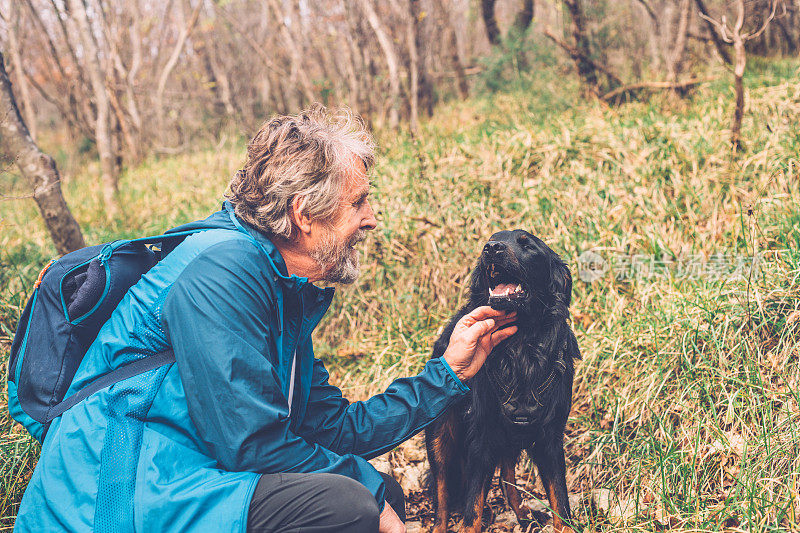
[{"x": 301, "y": 221}]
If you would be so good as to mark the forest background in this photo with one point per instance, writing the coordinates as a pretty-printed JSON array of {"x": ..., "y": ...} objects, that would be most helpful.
[{"x": 658, "y": 138}]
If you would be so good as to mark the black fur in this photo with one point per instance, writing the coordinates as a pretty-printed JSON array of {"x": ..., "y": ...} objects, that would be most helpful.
[{"x": 521, "y": 397}]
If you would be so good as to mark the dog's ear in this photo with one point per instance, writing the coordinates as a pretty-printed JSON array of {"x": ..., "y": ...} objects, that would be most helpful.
[{"x": 560, "y": 287}]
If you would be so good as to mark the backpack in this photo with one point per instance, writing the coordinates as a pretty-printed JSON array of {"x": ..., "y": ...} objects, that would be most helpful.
[{"x": 72, "y": 298}]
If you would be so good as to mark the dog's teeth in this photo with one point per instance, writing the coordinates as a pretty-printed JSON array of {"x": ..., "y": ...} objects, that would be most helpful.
[{"x": 504, "y": 289}]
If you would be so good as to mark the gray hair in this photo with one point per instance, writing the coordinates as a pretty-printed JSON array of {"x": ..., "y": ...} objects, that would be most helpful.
[{"x": 306, "y": 156}]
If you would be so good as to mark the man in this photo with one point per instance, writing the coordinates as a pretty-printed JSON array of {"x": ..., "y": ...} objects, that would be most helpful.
[{"x": 243, "y": 432}]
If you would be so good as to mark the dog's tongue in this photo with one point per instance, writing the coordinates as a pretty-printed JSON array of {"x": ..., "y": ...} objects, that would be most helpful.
[{"x": 504, "y": 289}]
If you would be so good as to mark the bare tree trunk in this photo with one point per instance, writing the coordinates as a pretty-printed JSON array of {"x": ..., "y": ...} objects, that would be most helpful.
[
  {"x": 718, "y": 41},
  {"x": 524, "y": 17},
  {"x": 295, "y": 58},
  {"x": 490, "y": 22},
  {"x": 582, "y": 58},
  {"x": 352, "y": 66},
  {"x": 421, "y": 90},
  {"x": 356, "y": 39},
  {"x": 458, "y": 66},
  {"x": 451, "y": 46},
  {"x": 392, "y": 60},
  {"x": 222, "y": 78},
  {"x": 739, "y": 65},
  {"x": 654, "y": 40},
  {"x": 108, "y": 167},
  {"x": 171, "y": 62},
  {"x": 39, "y": 170},
  {"x": 77, "y": 105},
  {"x": 681, "y": 36},
  {"x": 522, "y": 20},
  {"x": 737, "y": 37},
  {"x": 120, "y": 83},
  {"x": 136, "y": 63},
  {"x": 13, "y": 27},
  {"x": 425, "y": 82},
  {"x": 413, "y": 52},
  {"x": 791, "y": 42}
]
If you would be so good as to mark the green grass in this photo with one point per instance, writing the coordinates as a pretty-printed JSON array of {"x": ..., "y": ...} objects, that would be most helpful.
[{"x": 686, "y": 402}]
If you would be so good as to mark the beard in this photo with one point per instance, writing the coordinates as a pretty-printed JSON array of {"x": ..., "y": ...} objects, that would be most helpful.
[{"x": 338, "y": 259}]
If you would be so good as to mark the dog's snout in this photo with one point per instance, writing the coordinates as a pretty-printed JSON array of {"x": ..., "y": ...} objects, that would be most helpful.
[
  {"x": 494, "y": 248},
  {"x": 518, "y": 414}
]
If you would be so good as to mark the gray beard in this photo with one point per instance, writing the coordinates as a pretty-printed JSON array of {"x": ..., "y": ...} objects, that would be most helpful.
[{"x": 337, "y": 260}]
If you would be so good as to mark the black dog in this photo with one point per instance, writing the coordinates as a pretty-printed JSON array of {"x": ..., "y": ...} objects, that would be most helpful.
[{"x": 521, "y": 397}]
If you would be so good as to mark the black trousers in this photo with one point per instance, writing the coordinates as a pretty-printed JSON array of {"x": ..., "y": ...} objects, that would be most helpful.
[{"x": 318, "y": 503}]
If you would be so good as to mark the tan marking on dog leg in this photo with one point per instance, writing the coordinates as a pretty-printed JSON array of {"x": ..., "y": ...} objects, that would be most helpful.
[
  {"x": 478, "y": 504},
  {"x": 442, "y": 451},
  {"x": 508, "y": 481},
  {"x": 442, "y": 512},
  {"x": 558, "y": 524}
]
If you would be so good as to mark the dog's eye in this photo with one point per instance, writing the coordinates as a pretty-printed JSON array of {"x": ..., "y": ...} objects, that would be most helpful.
[{"x": 523, "y": 240}]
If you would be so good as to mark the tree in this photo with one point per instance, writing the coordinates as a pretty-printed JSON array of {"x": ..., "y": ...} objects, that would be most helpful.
[
  {"x": 737, "y": 36},
  {"x": 589, "y": 70},
  {"x": 521, "y": 22},
  {"x": 677, "y": 53},
  {"x": 716, "y": 38},
  {"x": 392, "y": 60},
  {"x": 420, "y": 89},
  {"x": 38, "y": 168},
  {"x": 186, "y": 30},
  {"x": 97, "y": 74},
  {"x": 451, "y": 49},
  {"x": 12, "y": 29}
]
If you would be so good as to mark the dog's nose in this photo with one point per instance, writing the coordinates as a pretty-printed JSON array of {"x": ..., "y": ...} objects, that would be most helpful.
[
  {"x": 494, "y": 248},
  {"x": 520, "y": 415}
]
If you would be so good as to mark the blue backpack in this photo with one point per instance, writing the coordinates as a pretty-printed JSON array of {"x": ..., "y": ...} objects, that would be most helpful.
[{"x": 72, "y": 299}]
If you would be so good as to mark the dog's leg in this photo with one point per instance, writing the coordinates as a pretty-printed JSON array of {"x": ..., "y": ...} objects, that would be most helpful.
[
  {"x": 508, "y": 482},
  {"x": 549, "y": 457},
  {"x": 473, "y": 512},
  {"x": 439, "y": 444},
  {"x": 479, "y": 478}
]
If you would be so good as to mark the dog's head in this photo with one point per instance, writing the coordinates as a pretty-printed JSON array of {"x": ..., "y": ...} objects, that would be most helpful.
[{"x": 518, "y": 272}]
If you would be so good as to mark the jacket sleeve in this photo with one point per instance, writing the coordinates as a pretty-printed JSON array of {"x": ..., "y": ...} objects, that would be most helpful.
[
  {"x": 372, "y": 427},
  {"x": 216, "y": 316}
]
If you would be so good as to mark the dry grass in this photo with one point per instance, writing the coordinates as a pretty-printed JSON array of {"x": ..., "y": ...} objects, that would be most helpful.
[{"x": 686, "y": 401}]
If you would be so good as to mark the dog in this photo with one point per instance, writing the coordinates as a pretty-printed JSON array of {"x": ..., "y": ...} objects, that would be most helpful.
[{"x": 521, "y": 397}]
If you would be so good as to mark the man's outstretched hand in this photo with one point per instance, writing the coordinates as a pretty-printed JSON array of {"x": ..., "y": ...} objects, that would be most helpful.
[{"x": 474, "y": 337}]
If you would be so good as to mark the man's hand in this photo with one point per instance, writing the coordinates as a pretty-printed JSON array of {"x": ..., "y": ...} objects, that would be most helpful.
[
  {"x": 390, "y": 522},
  {"x": 474, "y": 337}
]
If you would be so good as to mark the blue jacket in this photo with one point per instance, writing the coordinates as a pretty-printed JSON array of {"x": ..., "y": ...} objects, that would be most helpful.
[{"x": 181, "y": 448}]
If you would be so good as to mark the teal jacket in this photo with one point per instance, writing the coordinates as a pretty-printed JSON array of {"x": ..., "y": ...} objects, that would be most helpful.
[{"x": 181, "y": 447}]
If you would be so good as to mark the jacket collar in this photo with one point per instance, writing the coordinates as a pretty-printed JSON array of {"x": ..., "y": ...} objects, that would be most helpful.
[
  {"x": 276, "y": 261},
  {"x": 262, "y": 241},
  {"x": 225, "y": 218}
]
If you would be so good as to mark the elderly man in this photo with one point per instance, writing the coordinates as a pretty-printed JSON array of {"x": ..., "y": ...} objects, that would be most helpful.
[{"x": 243, "y": 432}]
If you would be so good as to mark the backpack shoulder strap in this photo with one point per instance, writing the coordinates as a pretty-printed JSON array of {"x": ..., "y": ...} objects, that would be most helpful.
[{"x": 140, "y": 366}]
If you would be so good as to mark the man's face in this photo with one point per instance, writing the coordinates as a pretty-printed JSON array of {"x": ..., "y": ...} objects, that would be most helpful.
[{"x": 335, "y": 252}]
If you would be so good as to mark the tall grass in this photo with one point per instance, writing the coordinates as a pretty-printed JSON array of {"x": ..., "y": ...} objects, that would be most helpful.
[{"x": 686, "y": 401}]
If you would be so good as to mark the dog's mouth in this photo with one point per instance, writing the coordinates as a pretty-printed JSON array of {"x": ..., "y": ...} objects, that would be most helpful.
[{"x": 503, "y": 286}]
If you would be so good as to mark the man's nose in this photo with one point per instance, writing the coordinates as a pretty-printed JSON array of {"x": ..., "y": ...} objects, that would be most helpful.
[{"x": 369, "y": 222}]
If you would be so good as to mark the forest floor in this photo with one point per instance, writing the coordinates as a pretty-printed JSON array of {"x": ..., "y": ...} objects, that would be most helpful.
[{"x": 686, "y": 414}]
